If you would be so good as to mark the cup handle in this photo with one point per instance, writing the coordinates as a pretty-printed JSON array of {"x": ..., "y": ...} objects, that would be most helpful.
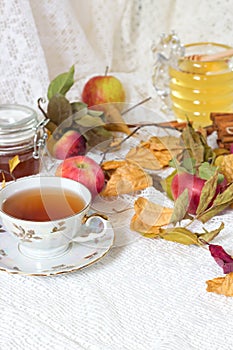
[{"x": 87, "y": 219}]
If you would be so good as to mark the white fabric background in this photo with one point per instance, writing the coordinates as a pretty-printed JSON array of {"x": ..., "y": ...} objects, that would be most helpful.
[{"x": 146, "y": 295}]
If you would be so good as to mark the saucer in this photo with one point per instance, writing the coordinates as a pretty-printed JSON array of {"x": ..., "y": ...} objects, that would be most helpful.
[{"x": 78, "y": 256}]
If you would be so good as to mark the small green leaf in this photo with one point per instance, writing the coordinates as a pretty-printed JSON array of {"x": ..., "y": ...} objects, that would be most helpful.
[
  {"x": 78, "y": 106},
  {"x": 89, "y": 122},
  {"x": 98, "y": 137},
  {"x": 207, "y": 193},
  {"x": 61, "y": 84},
  {"x": 181, "y": 206},
  {"x": 206, "y": 171},
  {"x": 209, "y": 236},
  {"x": 166, "y": 184},
  {"x": 189, "y": 164},
  {"x": 180, "y": 235}
]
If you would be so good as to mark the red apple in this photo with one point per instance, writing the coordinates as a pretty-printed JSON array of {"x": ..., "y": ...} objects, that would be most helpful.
[
  {"x": 103, "y": 89},
  {"x": 194, "y": 184},
  {"x": 69, "y": 145},
  {"x": 85, "y": 170}
]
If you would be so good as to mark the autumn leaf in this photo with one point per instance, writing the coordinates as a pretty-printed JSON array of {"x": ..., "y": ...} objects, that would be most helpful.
[
  {"x": 3, "y": 184},
  {"x": 208, "y": 236},
  {"x": 149, "y": 217},
  {"x": 180, "y": 235},
  {"x": 180, "y": 207},
  {"x": 13, "y": 162},
  {"x": 221, "y": 202},
  {"x": 207, "y": 193},
  {"x": 222, "y": 258},
  {"x": 114, "y": 120},
  {"x": 221, "y": 285},
  {"x": 124, "y": 177},
  {"x": 155, "y": 153}
]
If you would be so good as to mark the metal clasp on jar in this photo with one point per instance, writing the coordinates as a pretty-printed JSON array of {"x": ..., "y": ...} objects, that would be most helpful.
[{"x": 40, "y": 138}]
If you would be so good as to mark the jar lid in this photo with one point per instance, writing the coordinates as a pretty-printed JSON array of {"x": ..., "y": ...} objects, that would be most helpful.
[{"x": 17, "y": 123}]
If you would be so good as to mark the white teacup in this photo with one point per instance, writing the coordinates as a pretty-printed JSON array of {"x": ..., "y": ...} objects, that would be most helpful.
[{"x": 49, "y": 239}]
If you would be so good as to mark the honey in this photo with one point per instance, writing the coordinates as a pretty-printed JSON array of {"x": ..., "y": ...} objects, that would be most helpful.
[
  {"x": 199, "y": 88},
  {"x": 19, "y": 135}
]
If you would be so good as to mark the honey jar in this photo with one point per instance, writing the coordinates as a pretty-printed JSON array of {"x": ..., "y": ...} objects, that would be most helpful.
[{"x": 22, "y": 135}]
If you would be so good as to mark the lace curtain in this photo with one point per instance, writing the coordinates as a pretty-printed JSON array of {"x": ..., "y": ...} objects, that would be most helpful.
[{"x": 40, "y": 39}]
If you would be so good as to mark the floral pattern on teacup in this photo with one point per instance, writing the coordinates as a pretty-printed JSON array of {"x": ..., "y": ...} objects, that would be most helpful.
[
  {"x": 61, "y": 227},
  {"x": 30, "y": 235},
  {"x": 2, "y": 230},
  {"x": 25, "y": 236},
  {"x": 2, "y": 253}
]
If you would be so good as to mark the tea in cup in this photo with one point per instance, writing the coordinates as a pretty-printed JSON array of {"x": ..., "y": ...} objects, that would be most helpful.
[
  {"x": 193, "y": 88},
  {"x": 46, "y": 214}
]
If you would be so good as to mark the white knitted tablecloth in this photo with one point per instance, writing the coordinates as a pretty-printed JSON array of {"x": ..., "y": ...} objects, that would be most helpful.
[{"x": 144, "y": 294}]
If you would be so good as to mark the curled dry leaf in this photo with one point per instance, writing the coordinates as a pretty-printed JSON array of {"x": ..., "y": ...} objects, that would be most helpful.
[
  {"x": 149, "y": 217},
  {"x": 221, "y": 285},
  {"x": 13, "y": 162},
  {"x": 155, "y": 153},
  {"x": 226, "y": 166},
  {"x": 222, "y": 258},
  {"x": 114, "y": 120},
  {"x": 124, "y": 177}
]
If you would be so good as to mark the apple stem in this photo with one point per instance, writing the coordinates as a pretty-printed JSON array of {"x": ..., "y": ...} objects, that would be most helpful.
[{"x": 106, "y": 70}]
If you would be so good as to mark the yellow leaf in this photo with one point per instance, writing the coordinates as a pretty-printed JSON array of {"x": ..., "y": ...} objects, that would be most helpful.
[
  {"x": 3, "y": 179},
  {"x": 221, "y": 285},
  {"x": 114, "y": 120},
  {"x": 149, "y": 217},
  {"x": 124, "y": 177},
  {"x": 13, "y": 162},
  {"x": 155, "y": 153}
]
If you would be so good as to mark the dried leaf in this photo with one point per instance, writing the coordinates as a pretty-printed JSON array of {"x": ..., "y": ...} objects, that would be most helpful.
[
  {"x": 149, "y": 217},
  {"x": 88, "y": 121},
  {"x": 126, "y": 177},
  {"x": 3, "y": 179},
  {"x": 166, "y": 184},
  {"x": 97, "y": 136},
  {"x": 59, "y": 109},
  {"x": 222, "y": 258},
  {"x": 114, "y": 120},
  {"x": 180, "y": 235},
  {"x": 207, "y": 193},
  {"x": 196, "y": 145},
  {"x": 221, "y": 202},
  {"x": 61, "y": 84},
  {"x": 180, "y": 207},
  {"x": 155, "y": 153},
  {"x": 13, "y": 162},
  {"x": 221, "y": 285},
  {"x": 208, "y": 236},
  {"x": 192, "y": 143},
  {"x": 226, "y": 167}
]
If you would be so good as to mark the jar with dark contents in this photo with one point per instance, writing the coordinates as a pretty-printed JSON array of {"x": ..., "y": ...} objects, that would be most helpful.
[{"x": 22, "y": 135}]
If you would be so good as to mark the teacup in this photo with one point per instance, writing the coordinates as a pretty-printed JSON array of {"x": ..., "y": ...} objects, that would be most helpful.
[{"x": 48, "y": 236}]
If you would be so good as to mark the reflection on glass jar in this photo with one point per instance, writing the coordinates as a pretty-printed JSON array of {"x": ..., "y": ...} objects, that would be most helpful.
[
  {"x": 190, "y": 87},
  {"x": 18, "y": 132}
]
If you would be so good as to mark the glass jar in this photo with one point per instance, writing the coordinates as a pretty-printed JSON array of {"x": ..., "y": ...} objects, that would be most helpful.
[{"x": 22, "y": 135}]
